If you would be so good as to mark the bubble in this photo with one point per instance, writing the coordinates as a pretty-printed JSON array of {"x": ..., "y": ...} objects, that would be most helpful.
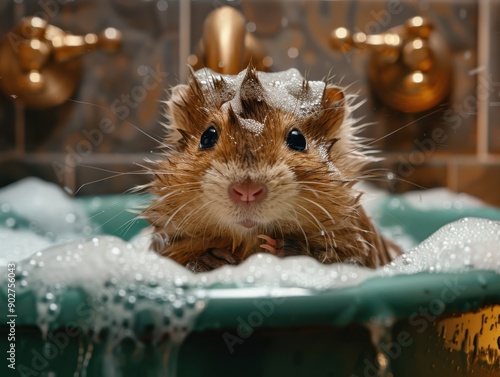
[
  {"x": 395, "y": 203},
  {"x": 267, "y": 61},
  {"x": 142, "y": 70},
  {"x": 251, "y": 27},
  {"x": 293, "y": 52},
  {"x": 162, "y": 5},
  {"x": 10, "y": 222},
  {"x": 130, "y": 304},
  {"x": 70, "y": 218},
  {"x": 53, "y": 308},
  {"x": 49, "y": 296}
]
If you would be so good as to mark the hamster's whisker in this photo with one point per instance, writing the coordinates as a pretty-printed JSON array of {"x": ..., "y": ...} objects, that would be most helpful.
[
  {"x": 296, "y": 220},
  {"x": 314, "y": 220},
  {"x": 172, "y": 216},
  {"x": 395, "y": 131},
  {"x": 124, "y": 119},
  {"x": 160, "y": 201},
  {"x": 100, "y": 180},
  {"x": 133, "y": 172},
  {"x": 190, "y": 213},
  {"x": 322, "y": 209}
]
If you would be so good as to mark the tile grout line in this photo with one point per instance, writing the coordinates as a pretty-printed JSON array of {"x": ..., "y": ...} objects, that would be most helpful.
[
  {"x": 20, "y": 126},
  {"x": 184, "y": 38},
  {"x": 482, "y": 94}
]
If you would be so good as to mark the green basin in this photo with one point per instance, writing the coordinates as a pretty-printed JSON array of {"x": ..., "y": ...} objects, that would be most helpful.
[{"x": 409, "y": 324}]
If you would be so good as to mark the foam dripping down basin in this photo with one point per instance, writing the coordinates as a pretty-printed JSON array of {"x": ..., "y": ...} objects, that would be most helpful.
[{"x": 91, "y": 300}]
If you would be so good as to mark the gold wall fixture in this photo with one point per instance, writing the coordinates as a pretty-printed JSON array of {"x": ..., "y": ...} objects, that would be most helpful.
[
  {"x": 410, "y": 65},
  {"x": 41, "y": 64},
  {"x": 226, "y": 47}
]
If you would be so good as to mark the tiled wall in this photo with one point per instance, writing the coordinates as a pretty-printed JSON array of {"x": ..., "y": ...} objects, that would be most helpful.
[{"x": 69, "y": 145}]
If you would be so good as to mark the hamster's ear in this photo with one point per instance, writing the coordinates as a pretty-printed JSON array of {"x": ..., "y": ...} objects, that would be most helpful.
[
  {"x": 334, "y": 111},
  {"x": 333, "y": 94},
  {"x": 183, "y": 113},
  {"x": 178, "y": 113}
]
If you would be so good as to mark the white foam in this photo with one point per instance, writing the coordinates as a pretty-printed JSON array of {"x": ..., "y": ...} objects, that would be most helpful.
[
  {"x": 20, "y": 244},
  {"x": 45, "y": 208},
  {"x": 120, "y": 282},
  {"x": 123, "y": 283},
  {"x": 464, "y": 245}
]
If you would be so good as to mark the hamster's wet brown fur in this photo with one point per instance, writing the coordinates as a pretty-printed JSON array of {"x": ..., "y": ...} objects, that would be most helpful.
[{"x": 310, "y": 206}]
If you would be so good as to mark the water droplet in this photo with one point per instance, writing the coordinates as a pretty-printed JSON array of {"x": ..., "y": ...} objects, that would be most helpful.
[{"x": 68, "y": 190}]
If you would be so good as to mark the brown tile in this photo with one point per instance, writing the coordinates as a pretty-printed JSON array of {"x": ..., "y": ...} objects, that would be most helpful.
[
  {"x": 14, "y": 169},
  {"x": 124, "y": 88},
  {"x": 408, "y": 172},
  {"x": 151, "y": 40},
  {"x": 480, "y": 180},
  {"x": 7, "y": 125}
]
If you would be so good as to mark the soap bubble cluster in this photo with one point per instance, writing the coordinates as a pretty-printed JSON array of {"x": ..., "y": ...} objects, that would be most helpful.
[
  {"x": 281, "y": 90},
  {"x": 467, "y": 244}
]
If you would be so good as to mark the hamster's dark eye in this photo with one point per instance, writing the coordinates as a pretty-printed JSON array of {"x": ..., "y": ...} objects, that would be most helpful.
[
  {"x": 209, "y": 138},
  {"x": 296, "y": 141}
]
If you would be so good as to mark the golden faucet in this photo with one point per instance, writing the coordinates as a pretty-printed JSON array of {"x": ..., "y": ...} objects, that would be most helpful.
[
  {"x": 226, "y": 47},
  {"x": 41, "y": 64},
  {"x": 410, "y": 65}
]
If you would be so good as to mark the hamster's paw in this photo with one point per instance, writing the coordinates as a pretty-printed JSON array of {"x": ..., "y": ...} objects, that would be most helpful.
[
  {"x": 270, "y": 244},
  {"x": 212, "y": 259}
]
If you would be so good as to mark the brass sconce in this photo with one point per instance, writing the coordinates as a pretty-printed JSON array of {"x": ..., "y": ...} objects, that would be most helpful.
[
  {"x": 226, "y": 47},
  {"x": 410, "y": 65},
  {"x": 41, "y": 64}
]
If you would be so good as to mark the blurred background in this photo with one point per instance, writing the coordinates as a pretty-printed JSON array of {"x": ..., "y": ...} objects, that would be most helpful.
[{"x": 92, "y": 141}]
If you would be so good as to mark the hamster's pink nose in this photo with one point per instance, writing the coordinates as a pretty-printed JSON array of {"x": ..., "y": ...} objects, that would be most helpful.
[{"x": 247, "y": 192}]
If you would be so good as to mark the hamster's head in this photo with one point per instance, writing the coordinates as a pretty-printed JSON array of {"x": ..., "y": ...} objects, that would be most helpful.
[{"x": 256, "y": 153}]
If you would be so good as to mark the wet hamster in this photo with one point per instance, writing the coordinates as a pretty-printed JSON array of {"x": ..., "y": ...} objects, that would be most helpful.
[{"x": 261, "y": 162}]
